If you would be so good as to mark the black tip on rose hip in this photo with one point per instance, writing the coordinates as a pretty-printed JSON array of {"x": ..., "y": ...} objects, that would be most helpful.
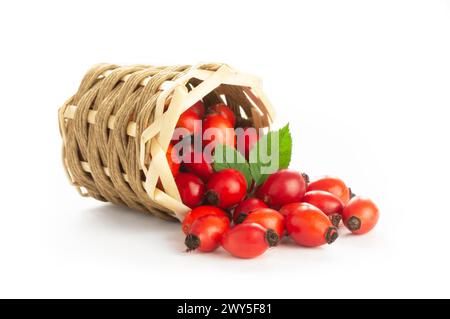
[
  {"x": 351, "y": 193},
  {"x": 272, "y": 238},
  {"x": 331, "y": 235},
  {"x": 335, "y": 219},
  {"x": 241, "y": 217},
  {"x": 212, "y": 198},
  {"x": 353, "y": 223},
  {"x": 192, "y": 242},
  {"x": 306, "y": 178}
]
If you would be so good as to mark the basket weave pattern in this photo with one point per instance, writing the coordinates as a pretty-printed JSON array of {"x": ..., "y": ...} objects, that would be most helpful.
[{"x": 117, "y": 127}]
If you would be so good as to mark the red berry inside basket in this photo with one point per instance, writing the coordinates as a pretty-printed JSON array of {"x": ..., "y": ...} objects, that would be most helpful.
[
  {"x": 328, "y": 203},
  {"x": 308, "y": 226},
  {"x": 199, "y": 164},
  {"x": 198, "y": 108},
  {"x": 218, "y": 130},
  {"x": 226, "y": 188},
  {"x": 248, "y": 240},
  {"x": 191, "y": 189},
  {"x": 281, "y": 188},
  {"x": 250, "y": 139},
  {"x": 332, "y": 185},
  {"x": 360, "y": 215},
  {"x": 246, "y": 207},
  {"x": 200, "y": 212},
  {"x": 206, "y": 233},
  {"x": 188, "y": 124},
  {"x": 268, "y": 218},
  {"x": 224, "y": 111},
  {"x": 173, "y": 160}
]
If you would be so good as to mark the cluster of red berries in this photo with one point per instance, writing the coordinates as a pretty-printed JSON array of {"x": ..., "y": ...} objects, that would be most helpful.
[
  {"x": 286, "y": 204},
  {"x": 193, "y": 175},
  {"x": 246, "y": 219}
]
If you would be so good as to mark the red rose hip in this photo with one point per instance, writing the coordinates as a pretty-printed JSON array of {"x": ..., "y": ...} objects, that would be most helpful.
[
  {"x": 246, "y": 207},
  {"x": 248, "y": 240},
  {"x": 268, "y": 218},
  {"x": 224, "y": 111},
  {"x": 308, "y": 226},
  {"x": 199, "y": 164},
  {"x": 206, "y": 233},
  {"x": 226, "y": 188},
  {"x": 198, "y": 108},
  {"x": 360, "y": 215},
  {"x": 281, "y": 188},
  {"x": 200, "y": 212},
  {"x": 191, "y": 189},
  {"x": 328, "y": 203},
  {"x": 173, "y": 160},
  {"x": 217, "y": 130},
  {"x": 333, "y": 185}
]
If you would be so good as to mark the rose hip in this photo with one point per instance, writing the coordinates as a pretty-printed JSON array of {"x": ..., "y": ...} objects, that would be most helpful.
[
  {"x": 226, "y": 188},
  {"x": 224, "y": 111},
  {"x": 191, "y": 189},
  {"x": 281, "y": 188},
  {"x": 200, "y": 212},
  {"x": 268, "y": 218},
  {"x": 333, "y": 185},
  {"x": 217, "y": 130},
  {"x": 206, "y": 233},
  {"x": 328, "y": 203},
  {"x": 360, "y": 215},
  {"x": 308, "y": 226},
  {"x": 248, "y": 240},
  {"x": 246, "y": 207},
  {"x": 199, "y": 164}
]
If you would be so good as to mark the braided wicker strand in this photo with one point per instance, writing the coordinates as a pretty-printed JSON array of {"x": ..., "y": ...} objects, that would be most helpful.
[{"x": 118, "y": 125}]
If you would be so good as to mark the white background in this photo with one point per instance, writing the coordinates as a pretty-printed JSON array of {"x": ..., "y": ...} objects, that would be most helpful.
[{"x": 365, "y": 86}]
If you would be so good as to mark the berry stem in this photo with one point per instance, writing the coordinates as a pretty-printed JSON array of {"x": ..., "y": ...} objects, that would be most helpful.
[{"x": 335, "y": 219}]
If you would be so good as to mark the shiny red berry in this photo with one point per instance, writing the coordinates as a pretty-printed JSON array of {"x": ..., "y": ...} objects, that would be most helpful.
[
  {"x": 281, "y": 188},
  {"x": 206, "y": 233},
  {"x": 199, "y": 164},
  {"x": 245, "y": 140},
  {"x": 189, "y": 123},
  {"x": 333, "y": 185},
  {"x": 198, "y": 108},
  {"x": 360, "y": 215},
  {"x": 224, "y": 111},
  {"x": 226, "y": 188},
  {"x": 328, "y": 203},
  {"x": 191, "y": 189},
  {"x": 217, "y": 130},
  {"x": 308, "y": 226},
  {"x": 246, "y": 207},
  {"x": 248, "y": 240},
  {"x": 200, "y": 212},
  {"x": 268, "y": 218},
  {"x": 173, "y": 160}
]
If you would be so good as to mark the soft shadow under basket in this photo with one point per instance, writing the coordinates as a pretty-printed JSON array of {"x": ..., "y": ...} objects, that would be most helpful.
[{"x": 116, "y": 129}]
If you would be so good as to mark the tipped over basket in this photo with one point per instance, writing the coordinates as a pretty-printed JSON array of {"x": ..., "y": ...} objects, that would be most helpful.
[{"x": 117, "y": 127}]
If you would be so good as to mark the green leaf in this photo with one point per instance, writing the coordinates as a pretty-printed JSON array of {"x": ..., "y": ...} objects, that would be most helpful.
[
  {"x": 270, "y": 154},
  {"x": 227, "y": 157}
]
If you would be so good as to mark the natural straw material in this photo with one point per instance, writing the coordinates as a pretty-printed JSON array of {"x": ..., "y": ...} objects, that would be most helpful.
[{"x": 116, "y": 129}]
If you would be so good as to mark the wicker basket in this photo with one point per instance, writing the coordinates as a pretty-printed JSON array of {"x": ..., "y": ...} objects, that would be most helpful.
[{"x": 117, "y": 127}]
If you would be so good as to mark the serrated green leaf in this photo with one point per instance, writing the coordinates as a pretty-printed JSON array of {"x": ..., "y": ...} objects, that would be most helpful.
[
  {"x": 227, "y": 157},
  {"x": 271, "y": 153}
]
